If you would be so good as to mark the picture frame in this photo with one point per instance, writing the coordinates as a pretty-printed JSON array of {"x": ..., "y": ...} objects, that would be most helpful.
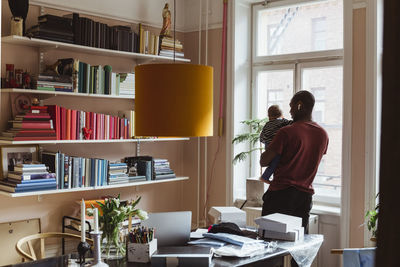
[{"x": 11, "y": 155}]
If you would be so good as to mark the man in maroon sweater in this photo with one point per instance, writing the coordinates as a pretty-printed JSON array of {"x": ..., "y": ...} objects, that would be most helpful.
[{"x": 301, "y": 146}]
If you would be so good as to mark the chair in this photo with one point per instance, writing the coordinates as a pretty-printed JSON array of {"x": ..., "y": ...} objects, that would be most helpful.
[{"x": 31, "y": 255}]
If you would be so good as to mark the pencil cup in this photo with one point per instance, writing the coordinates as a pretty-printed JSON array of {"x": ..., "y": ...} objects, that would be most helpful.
[{"x": 141, "y": 252}]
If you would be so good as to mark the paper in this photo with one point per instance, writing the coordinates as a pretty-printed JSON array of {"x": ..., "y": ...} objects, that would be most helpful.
[
  {"x": 233, "y": 239},
  {"x": 208, "y": 242},
  {"x": 198, "y": 233}
]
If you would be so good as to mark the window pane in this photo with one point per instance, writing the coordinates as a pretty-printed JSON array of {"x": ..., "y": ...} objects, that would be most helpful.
[
  {"x": 274, "y": 87},
  {"x": 300, "y": 28},
  {"x": 326, "y": 85}
]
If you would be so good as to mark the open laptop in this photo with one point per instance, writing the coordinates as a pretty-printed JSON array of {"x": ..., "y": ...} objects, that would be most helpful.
[{"x": 171, "y": 228}]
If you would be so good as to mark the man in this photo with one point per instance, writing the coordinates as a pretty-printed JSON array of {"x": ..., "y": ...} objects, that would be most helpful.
[{"x": 301, "y": 146}]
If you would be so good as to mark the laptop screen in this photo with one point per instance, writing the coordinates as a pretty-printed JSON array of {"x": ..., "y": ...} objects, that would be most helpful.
[{"x": 170, "y": 228}]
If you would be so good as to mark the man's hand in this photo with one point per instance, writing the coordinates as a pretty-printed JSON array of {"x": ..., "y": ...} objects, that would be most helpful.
[
  {"x": 267, "y": 156},
  {"x": 265, "y": 181}
]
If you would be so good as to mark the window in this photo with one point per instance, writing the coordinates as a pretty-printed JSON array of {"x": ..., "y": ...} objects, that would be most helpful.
[
  {"x": 319, "y": 33},
  {"x": 300, "y": 47}
]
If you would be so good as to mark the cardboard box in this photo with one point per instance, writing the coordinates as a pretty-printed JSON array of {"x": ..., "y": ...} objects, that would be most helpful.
[
  {"x": 279, "y": 222},
  {"x": 139, "y": 252},
  {"x": 228, "y": 214}
]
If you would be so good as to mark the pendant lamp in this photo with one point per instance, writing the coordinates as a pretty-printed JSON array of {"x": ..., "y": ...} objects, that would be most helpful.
[{"x": 173, "y": 100}]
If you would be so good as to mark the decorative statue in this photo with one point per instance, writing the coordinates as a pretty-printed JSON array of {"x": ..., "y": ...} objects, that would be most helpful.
[
  {"x": 166, "y": 28},
  {"x": 19, "y": 8}
]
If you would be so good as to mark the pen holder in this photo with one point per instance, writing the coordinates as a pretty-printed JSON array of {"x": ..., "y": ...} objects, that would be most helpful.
[{"x": 141, "y": 252}]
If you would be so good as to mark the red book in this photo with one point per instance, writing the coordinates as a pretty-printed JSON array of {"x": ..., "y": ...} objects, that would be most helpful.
[
  {"x": 63, "y": 123},
  {"x": 54, "y": 112},
  {"x": 68, "y": 125},
  {"x": 32, "y": 124},
  {"x": 111, "y": 126},
  {"x": 73, "y": 125},
  {"x": 93, "y": 124},
  {"x": 117, "y": 127},
  {"x": 98, "y": 126},
  {"x": 103, "y": 126}
]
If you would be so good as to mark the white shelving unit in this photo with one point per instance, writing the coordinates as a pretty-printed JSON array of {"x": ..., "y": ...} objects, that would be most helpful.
[
  {"x": 91, "y": 188},
  {"x": 46, "y": 44},
  {"x": 56, "y": 93},
  {"x": 5, "y": 142}
]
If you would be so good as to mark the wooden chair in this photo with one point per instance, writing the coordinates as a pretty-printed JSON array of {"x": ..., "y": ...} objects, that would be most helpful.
[{"x": 31, "y": 255}]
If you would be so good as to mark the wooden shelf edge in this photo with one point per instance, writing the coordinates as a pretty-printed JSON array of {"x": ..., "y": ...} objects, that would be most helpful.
[
  {"x": 56, "y": 93},
  {"x": 83, "y": 189},
  {"x": 35, "y": 42},
  {"x": 39, "y": 142}
]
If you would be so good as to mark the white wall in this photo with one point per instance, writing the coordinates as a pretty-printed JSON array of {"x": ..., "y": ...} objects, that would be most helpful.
[{"x": 192, "y": 13}]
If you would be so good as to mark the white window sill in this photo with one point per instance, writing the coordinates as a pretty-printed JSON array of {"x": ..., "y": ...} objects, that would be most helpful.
[{"x": 325, "y": 210}]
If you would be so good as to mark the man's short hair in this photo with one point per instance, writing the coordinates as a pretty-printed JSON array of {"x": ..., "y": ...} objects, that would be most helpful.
[
  {"x": 306, "y": 98},
  {"x": 274, "y": 111}
]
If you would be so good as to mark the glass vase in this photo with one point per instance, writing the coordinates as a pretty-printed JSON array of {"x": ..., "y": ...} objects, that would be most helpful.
[{"x": 113, "y": 242}]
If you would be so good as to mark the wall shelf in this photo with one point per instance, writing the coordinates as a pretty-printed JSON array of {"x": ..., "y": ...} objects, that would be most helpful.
[
  {"x": 46, "y": 44},
  {"x": 39, "y": 142},
  {"x": 91, "y": 188},
  {"x": 56, "y": 93}
]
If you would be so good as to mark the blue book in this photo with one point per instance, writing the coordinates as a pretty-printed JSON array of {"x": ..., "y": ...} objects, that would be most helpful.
[
  {"x": 27, "y": 177},
  {"x": 35, "y": 181},
  {"x": 45, "y": 187}
]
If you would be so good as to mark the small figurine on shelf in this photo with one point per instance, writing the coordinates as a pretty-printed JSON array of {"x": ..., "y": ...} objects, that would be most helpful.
[
  {"x": 87, "y": 133},
  {"x": 166, "y": 28},
  {"x": 35, "y": 101},
  {"x": 26, "y": 80}
]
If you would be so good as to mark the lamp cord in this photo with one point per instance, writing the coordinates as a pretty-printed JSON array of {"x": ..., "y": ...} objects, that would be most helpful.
[{"x": 174, "y": 26}]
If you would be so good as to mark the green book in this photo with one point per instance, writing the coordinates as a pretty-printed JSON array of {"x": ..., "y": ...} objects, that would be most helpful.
[{"x": 44, "y": 88}]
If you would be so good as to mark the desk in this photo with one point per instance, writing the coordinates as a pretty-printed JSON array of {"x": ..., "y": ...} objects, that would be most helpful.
[{"x": 273, "y": 259}]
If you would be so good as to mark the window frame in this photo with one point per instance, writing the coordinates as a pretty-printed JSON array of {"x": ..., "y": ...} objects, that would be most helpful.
[{"x": 298, "y": 61}]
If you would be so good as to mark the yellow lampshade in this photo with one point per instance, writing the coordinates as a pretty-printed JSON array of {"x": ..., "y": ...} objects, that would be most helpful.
[{"x": 173, "y": 100}]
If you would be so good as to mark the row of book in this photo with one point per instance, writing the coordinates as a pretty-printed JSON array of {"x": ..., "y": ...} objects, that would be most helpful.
[
  {"x": 73, "y": 28},
  {"x": 151, "y": 168},
  {"x": 28, "y": 178},
  {"x": 59, "y": 123},
  {"x": 118, "y": 174},
  {"x": 78, "y": 30},
  {"x": 77, "y": 76}
]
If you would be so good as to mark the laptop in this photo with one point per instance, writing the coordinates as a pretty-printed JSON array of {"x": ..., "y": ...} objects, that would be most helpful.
[{"x": 171, "y": 228}]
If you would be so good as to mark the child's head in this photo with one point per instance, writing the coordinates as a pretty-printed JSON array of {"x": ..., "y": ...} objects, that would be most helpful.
[{"x": 274, "y": 112}]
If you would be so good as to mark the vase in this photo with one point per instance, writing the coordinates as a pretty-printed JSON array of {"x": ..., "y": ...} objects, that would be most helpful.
[{"x": 113, "y": 242}]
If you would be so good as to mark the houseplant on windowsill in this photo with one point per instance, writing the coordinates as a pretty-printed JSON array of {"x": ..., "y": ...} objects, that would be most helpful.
[
  {"x": 254, "y": 187},
  {"x": 111, "y": 215},
  {"x": 372, "y": 221}
]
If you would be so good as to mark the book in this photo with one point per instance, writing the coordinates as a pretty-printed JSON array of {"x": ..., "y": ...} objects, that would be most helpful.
[{"x": 30, "y": 176}]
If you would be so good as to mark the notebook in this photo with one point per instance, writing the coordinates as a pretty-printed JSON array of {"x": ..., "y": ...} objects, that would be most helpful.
[{"x": 171, "y": 228}]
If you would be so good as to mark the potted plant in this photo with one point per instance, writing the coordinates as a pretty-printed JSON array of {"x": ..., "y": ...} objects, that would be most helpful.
[
  {"x": 252, "y": 137},
  {"x": 372, "y": 220},
  {"x": 254, "y": 187},
  {"x": 111, "y": 215}
]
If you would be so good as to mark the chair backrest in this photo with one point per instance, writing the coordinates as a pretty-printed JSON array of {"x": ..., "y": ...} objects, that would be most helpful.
[{"x": 27, "y": 241}]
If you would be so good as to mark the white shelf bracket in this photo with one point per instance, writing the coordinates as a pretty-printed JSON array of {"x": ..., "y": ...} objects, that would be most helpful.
[{"x": 42, "y": 10}]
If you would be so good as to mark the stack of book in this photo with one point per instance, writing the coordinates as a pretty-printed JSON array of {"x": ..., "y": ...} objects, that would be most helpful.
[
  {"x": 53, "y": 28},
  {"x": 27, "y": 178},
  {"x": 149, "y": 42},
  {"x": 167, "y": 48},
  {"x": 35, "y": 124},
  {"x": 117, "y": 173},
  {"x": 127, "y": 84},
  {"x": 162, "y": 169},
  {"x": 54, "y": 83},
  {"x": 74, "y": 172},
  {"x": 280, "y": 226}
]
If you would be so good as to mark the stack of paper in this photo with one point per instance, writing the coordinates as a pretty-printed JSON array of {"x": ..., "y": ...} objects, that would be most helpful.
[{"x": 280, "y": 226}]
